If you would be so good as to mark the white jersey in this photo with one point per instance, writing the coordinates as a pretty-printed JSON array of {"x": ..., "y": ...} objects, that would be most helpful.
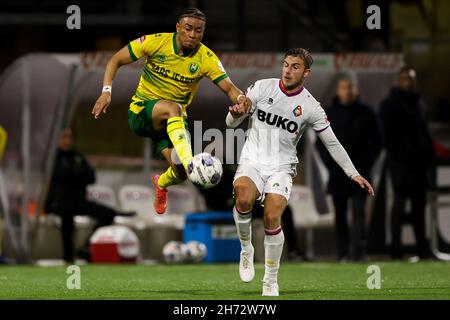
[{"x": 278, "y": 120}]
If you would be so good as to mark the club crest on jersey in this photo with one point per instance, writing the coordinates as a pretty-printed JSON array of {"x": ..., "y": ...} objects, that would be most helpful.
[
  {"x": 161, "y": 58},
  {"x": 193, "y": 67},
  {"x": 298, "y": 111}
]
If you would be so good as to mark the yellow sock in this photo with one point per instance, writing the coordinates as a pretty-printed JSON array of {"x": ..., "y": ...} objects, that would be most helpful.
[
  {"x": 168, "y": 178},
  {"x": 180, "y": 139}
]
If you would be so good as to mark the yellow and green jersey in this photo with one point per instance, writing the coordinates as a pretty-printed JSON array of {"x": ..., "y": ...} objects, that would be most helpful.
[{"x": 168, "y": 75}]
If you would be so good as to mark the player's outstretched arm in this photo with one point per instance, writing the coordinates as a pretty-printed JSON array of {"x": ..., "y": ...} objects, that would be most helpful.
[
  {"x": 236, "y": 114},
  {"x": 235, "y": 94},
  {"x": 119, "y": 59},
  {"x": 364, "y": 184},
  {"x": 341, "y": 157}
]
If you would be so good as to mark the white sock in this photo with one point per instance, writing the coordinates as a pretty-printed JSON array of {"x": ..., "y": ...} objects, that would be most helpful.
[
  {"x": 273, "y": 247},
  {"x": 243, "y": 222}
]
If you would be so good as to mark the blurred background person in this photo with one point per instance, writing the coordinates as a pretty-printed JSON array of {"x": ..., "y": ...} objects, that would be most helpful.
[
  {"x": 355, "y": 125},
  {"x": 409, "y": 157},
  {"x": 67, "y": 195}
]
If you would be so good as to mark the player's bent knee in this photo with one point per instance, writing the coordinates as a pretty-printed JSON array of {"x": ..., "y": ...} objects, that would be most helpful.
[
  {"x": 174, "y": 109},
  {"x": 244, "y": 204},
  {"x": 272, "y": 219},
  {"x": 244, "y": 198}
]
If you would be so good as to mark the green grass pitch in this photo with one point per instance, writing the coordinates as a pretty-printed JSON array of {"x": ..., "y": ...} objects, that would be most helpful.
[{"x": 299, "y": 281}]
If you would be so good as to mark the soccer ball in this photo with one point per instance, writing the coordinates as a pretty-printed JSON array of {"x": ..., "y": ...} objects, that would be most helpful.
[
  {"x": 196, "y": 251},
  {"x": 175, "y": 252},
  {"x": 205, "y": 170}
]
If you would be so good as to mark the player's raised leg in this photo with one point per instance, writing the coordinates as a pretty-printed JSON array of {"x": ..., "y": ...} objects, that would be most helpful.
[
  {"x": 274, "y": 205},
  {"x": 175, "y": 174},
  {"x": 168, "y": 115},
  {"x": 246, "y": 193}
]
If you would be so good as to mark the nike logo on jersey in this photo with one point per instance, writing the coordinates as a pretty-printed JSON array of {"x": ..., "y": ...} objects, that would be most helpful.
[{"x": 277, "y": 121}]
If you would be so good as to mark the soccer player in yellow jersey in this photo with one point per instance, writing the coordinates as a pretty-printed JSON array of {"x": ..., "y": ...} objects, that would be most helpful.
[{"x": 175, "y": 63}]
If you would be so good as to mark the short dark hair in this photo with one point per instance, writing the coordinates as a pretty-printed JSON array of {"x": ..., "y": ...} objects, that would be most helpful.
[
  {"x": 192, "y": 13},
  {"x": 303, "y": 54}
]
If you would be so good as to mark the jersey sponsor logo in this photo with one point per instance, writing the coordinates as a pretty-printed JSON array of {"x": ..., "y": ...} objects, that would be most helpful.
[
  {"x": 167, "y": 73},
  {"x": 185, "y": 80},
  {"x": 277, "y": 121},
  {"x": 193, "y": 67},
  {"x": 160, "y": 70},
  {"x": 298, "y": 111},
  {"x": 141, "y": 39}
]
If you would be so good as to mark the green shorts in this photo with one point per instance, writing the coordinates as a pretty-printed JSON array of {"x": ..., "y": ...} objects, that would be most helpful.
[{"x": 141, "y": 123}]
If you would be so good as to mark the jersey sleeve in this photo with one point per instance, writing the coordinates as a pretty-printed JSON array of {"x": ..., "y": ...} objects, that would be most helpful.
[
  {"x": 144, "y": 46},
  {"x": 254, "y": 94},
  {"x": 214, "y": 69},
  {"x": 318, "y": 119}
]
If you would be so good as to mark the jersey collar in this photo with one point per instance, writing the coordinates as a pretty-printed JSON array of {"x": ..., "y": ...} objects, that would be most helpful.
[
  {"x": 282, "y": 88},
  {"x": 186, "y": 53}
]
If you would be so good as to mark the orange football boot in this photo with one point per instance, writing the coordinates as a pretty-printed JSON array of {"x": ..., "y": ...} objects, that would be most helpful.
[{"x": 160, "y": 202}]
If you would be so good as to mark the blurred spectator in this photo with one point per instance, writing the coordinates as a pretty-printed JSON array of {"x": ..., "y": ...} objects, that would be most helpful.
[
  {"x": 355, "y": 126},
  {"x": 409, "y": 155},
  {"x": 67, "y": 194}
]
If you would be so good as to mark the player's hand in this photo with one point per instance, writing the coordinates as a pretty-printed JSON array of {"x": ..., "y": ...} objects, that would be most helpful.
[
  {"x": 364, "y": 184},
  {"x": 101, "y": 105},
  {"x": 237, "y": 110},
  {"x": 244, "y": 102}
]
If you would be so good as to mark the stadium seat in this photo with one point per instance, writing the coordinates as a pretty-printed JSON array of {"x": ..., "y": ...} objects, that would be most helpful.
[
  {"x": 102, "y": 194},
  {"x": 139, "y": 198},
  {"x": 48, "y": 243},
  {"x": 181, "y": 200},
  {"x": 153, "y": 230},
  {"x": 306, "y": 216}
]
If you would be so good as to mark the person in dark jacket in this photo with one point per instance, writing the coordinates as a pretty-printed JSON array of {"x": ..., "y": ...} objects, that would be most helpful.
[
  {"x": 409, "y": 156},
  {"x": 355, "y": 125},
  {"x": 67, "y": 194}
]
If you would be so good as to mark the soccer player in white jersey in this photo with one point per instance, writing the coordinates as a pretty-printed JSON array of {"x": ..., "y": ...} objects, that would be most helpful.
[{"x": 280, "y": 110}]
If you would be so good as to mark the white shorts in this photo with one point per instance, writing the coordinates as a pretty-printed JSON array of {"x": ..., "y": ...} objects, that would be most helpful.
[{"x": 277, "y": 181}]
